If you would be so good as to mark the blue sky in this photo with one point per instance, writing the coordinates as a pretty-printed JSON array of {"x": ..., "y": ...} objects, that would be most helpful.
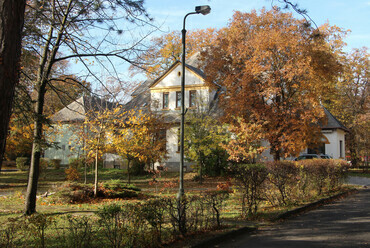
[
  {"x": 347, "y": 14},
  {"x": 169, "y": 14}
]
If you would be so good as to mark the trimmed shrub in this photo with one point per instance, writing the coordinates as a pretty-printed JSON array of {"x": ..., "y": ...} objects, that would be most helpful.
[
  {"x": 154, "y": 212},
  {"x": 215, "y": 200},
  {"x": 77, "y": 232},
  {"x": 12, "y": 233},
  {"x": 249, "y": 181},
  {"x": 336, "y": 173},
  {"x": 324, "y": 174},
  {"x": 36, "y": 226},
  {"x": 22, "y": 163},
  {"x": 283, "y": 175}
]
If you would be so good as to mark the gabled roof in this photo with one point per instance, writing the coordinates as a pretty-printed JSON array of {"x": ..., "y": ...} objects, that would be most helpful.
[
  {"x": 76, "y": 111},
  {"x": 192, "y": 64},
  {"x": 141, "y": 101},
  {"x": 332, "y": 122},
  {"x": 142, "y": 88},
  {"x": 191, "y": 68}
]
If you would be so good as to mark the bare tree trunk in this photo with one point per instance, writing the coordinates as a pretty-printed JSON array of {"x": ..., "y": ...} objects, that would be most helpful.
[
  {"x": 84, "y": 154},
  {"x": 128, "y": 170},
  {"x": 30, "y": 203},
  {"x": 96, "y": 167},
  {"x": 96, "y": 173},
  {"x": 11, "y": 25}
]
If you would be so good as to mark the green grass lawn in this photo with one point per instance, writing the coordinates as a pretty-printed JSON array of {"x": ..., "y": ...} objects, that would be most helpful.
[
  {"x": 13, "y": 185},
  {"x": 359, "y": 173}
]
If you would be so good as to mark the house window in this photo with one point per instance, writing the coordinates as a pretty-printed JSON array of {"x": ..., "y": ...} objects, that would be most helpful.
[
  {"x": 341, "y": 148},
  {"x": 165, "y": 100},
  {"x": 192, "y": 97},
  {"x": 178, "y": 99}
]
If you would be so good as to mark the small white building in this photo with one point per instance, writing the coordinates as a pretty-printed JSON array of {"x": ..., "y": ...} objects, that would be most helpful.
[{"x": 68, "y": 127}]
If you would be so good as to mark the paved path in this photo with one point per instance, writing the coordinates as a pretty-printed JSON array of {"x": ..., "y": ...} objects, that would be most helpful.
[
  {"x": 345, "y": 223},
  {"x": 364, "y": 181}
]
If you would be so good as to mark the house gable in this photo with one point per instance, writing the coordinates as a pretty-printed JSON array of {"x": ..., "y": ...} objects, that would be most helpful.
[
  {"x": 165, "y": 90},
  {"x": 171, "y": 79}
]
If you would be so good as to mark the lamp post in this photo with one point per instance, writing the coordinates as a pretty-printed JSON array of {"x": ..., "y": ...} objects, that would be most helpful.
[{"x": 204, "y": 10}]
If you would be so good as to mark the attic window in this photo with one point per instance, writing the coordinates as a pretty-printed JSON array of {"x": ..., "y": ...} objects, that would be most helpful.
[{"x": 179, "y": 74}]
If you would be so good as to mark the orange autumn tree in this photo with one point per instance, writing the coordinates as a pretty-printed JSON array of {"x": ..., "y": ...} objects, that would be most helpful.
[
  {"x": 351, "y": 102},
  {"x": 137, "y": 136},
  {"x": 99, "y": 128},
  {"x": 246, "y": 142},
  {"x": 274, "y": 69},
  {"x": 167, "y": 49}
]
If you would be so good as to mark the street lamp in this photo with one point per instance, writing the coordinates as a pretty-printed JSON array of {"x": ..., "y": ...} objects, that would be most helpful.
[{"x": 204, "y": 10}]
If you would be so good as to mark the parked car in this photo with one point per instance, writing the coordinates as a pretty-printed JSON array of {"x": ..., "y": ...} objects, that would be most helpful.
[
  {"x": 307, "y": 156},
  {"x": 325, "y": 156}
]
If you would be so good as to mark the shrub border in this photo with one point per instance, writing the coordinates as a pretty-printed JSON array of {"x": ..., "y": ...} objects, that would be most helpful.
[{"x": 292, "y": 213}]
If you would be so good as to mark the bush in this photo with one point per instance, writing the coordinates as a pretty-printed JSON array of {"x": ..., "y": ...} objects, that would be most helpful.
[
  {"x": 283, "y": 175},
  {"x": 323, "y": 174},
  {"x": 215, "y": 201},
  {"x": 72, "y": 174},
  {"x": 78, "y": 231},
  {"x": 76, "y": 163},
  {"x": 36, "y": 226},
  {"x": 154, "y": 212},
  {"x": 74, "y": 192},
  {"x": 123, "y": 226},
  {"x": 11, "y": 233},
  {"x": 119, "y": 189},
  {"x": 23, "y": 163},
  {"x": 55, "y": 163},
  {"x": 249, "y": 179},
  {"x": 336, "y": 172},
  {"x": 119, "y": 185}
]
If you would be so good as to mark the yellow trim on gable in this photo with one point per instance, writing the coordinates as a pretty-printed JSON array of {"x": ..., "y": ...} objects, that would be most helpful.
[
  {"x": 173, "y": 68},
  {"x": 178, "y": 88}
]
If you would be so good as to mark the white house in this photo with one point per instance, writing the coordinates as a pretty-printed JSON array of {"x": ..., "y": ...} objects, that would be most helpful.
[{"x": 68, "y": 123}]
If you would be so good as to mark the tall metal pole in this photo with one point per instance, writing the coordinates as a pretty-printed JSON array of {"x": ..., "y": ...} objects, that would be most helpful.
[
  {"x": 181, "y": 186},
  {"x": 180, "y": 207},
  {"x": 180, "y": 204}
]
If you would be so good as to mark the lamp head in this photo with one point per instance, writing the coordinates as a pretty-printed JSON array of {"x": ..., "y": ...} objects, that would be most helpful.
[{"x": 204, "y": 9}]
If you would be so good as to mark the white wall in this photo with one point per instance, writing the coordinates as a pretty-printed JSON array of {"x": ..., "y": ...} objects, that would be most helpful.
[
  {"x": 172, "y": 144},
  {"x": 333, "y": 149},
  {"x": 334, "y": 137},
  {"x": 174, "y": 78},
  {"x": 66, "y": 139},
  {"x": 171, "y": 83},
  {"x": 202, "y": 95}
]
